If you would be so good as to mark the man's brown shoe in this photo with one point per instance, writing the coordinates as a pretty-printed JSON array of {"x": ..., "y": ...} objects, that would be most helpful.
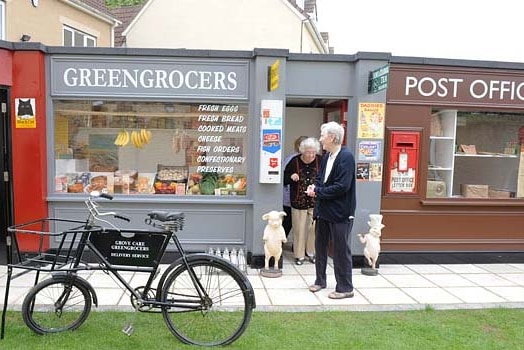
[
  {"x": 339, "y": 295},
  {"x": 315, "y": 288}
]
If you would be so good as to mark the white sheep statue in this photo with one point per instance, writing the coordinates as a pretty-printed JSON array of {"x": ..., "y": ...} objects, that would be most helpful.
[
  {"x": 274, "y": 237},
  {"x": 371, "y": 240}
]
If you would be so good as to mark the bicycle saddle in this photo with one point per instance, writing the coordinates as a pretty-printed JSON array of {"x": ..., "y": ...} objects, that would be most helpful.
[{"x": 164, "y": 216}]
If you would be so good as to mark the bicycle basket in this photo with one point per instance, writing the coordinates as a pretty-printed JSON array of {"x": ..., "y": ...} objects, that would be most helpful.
[
  {"x": 46, "y": 244},
  {"x": 130, "y": 247}
]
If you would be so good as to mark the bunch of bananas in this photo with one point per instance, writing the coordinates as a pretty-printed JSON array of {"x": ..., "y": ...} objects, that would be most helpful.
[
  {"x": 141, "y": 137},
  {"x": 122, "y": 138}
]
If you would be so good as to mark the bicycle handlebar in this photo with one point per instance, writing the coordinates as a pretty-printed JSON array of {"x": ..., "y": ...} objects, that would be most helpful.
[
  {"x": 121, "y": 217},
  {"x": 105, "y": 195}
]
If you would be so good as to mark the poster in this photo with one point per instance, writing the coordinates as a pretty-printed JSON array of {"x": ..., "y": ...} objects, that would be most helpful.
[
  {"x": 371, "y": 120},
  {"x": 369, "y": 150},
  {"x": 362, "y": 171},
  {"x": 271, "y": 140},
  {"x": 375, "y": 172},
  {"x": 25, "y": 113}
]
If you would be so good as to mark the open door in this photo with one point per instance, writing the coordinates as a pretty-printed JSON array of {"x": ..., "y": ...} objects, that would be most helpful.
[{"x": 337, "y": 112}]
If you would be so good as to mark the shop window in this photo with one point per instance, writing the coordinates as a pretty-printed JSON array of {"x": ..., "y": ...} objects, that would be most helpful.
[
  {"x": 475, "y": 155},
  {"x": 74, "y": 37},
  {"x": 150, "y": 148}
]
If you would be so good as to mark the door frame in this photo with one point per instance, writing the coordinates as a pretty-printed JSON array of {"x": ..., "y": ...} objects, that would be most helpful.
[
  {"x": 6, "y": 189},
  {"x": 340, "y": 106}
]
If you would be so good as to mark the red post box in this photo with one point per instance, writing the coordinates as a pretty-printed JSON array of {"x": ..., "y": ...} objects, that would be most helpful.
[{"x": 403, "y": 161}]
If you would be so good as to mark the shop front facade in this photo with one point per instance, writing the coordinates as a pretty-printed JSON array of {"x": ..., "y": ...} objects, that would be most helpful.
[
  {"x": 201, "y": 132},
  {"x": 454, "y": 165}
]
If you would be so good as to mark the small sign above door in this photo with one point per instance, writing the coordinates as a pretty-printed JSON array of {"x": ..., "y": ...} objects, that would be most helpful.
[{"x": 378, "y": 79}]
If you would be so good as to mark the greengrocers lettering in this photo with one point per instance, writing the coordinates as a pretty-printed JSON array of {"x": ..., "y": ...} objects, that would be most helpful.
[
  {"x": 478, "y": 89},
  {"x": 150, "y": 79}
]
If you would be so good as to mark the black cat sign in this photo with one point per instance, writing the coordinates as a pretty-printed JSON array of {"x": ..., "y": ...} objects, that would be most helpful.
[{"x": 25, "y": 113}]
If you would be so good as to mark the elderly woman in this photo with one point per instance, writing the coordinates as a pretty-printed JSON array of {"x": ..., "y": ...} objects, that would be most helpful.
[{"x": 299, "y": 173}]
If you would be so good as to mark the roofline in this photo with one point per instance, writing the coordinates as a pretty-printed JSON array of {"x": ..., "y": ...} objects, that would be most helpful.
[
  {"x": 92, "y": 11},
  {"x": 135, "y": 19},
  {"x": 248, "y": 54},
  {"x": 310, "y": 25}
]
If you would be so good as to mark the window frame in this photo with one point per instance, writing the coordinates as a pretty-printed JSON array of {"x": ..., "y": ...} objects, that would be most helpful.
[
  {"x": 73, "y": 31},
  {"x": 233, "y": 184}
]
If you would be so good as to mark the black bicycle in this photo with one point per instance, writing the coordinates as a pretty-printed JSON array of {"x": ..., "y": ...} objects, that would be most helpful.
[{"x": 204, "y": 299}]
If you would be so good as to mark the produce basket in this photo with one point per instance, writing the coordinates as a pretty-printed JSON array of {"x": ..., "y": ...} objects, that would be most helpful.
[
  {"x": 171, "y": 179},
  {"x": 45, "y": 244}
]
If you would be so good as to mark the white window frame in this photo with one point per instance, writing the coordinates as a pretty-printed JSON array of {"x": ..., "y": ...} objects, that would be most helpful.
[
  {"x": 84, "y": 35},
  {"x": 2, "y": 20}
]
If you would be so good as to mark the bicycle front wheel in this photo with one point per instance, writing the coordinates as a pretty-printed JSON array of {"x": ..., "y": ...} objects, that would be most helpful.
[
  {"x": 56, "y": 305},
  {"x": 217, "y": 318}
]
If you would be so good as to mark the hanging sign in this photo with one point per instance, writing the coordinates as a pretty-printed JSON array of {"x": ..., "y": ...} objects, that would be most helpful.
[{"x": 271, "y": 140}]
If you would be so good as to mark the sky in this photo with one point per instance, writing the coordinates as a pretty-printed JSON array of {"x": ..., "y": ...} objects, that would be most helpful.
[{"x": 457, "y": 29}]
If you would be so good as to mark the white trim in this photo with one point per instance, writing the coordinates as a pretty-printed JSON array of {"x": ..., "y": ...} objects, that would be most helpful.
[
  {"x": 66, "y": 21},
  {"x": 73, "y": 31},
  {"x": 93, "y": 12},
  {"x": 138, "y": 15},
  {"x": 2, "y": 20}
]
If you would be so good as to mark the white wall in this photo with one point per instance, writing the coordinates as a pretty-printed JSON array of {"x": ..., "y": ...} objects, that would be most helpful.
[
  {"x": 221, "y": 25},
  {"x": 301, "y": 122}
]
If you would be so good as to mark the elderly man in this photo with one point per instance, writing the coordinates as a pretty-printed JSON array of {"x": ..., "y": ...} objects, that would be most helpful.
[{"x": 334, "y": 191}]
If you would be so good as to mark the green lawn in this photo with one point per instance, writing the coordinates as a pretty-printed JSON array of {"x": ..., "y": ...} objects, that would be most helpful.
[{"x": 420, "y": 330}]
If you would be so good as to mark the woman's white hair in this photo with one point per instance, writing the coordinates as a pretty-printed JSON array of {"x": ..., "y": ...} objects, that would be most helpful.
[
  {"x": 335, "y": 129},
  {"x": 309, "y": 142}
]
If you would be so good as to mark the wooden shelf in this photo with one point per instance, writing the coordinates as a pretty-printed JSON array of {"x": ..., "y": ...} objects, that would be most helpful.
[{"x": 486, "y": 155}]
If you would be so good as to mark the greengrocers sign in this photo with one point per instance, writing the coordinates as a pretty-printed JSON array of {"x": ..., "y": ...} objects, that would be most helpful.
[
  {"x": 159, "y": 78},
  {"x": 479, "y": 87}
]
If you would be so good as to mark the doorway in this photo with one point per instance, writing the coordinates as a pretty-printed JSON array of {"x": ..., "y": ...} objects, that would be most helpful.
[
  {"x": 6, "y": 194},
  {"x": 304, "y": 117},
  {"x": 337, "y": 112}
]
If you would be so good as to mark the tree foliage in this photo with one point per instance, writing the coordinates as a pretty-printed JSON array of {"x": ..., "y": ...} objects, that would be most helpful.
[{"x": 120, "y": 3}]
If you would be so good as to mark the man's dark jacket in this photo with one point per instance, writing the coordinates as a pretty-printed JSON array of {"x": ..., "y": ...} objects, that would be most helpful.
[{"x": 336, "y": 198}]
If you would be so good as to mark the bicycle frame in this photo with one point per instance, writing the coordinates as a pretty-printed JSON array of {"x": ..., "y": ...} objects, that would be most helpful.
[
  {"x": 167, "y": 231},
  {"x": 180, "y": 289}
]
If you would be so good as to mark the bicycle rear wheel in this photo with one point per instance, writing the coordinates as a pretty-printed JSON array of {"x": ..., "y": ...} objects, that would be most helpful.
[
  {"x": 218, "y": 319},
  {"x": 56, "y": 305}
]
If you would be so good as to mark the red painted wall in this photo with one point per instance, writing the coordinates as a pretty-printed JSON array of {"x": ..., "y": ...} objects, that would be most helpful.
[
  {"x": 28, "y": 149},
  {"x": 6, "y": 64}
]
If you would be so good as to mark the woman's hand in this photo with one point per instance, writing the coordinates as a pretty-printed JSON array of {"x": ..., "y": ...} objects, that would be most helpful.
[
  {"x": 311, "y": 191},
  {"x": 295, "y": 177}
]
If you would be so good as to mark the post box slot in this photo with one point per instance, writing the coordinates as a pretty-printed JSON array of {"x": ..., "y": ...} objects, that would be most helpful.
[{"x": 405, "y": 144}]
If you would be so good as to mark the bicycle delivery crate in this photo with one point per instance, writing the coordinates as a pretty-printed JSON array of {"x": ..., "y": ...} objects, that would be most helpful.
[
  {"x": 47, "y": 244},
  {"x": 171, "y": 179},
  {"x": 130, "y": 247}
]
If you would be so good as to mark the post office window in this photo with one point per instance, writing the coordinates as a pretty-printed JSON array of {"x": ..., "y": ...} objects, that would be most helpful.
[
  {"x": 151, "y": 148},
  {"x": 476, "y": 155}
]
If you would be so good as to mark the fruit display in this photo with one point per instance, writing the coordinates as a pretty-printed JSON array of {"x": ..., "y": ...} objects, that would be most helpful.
[
  {"x": 139, "y": 138},
  {"x": 122, "y": 139},
  {"x": 214, "y": 184},
  {"x": 170, "y": 179}
]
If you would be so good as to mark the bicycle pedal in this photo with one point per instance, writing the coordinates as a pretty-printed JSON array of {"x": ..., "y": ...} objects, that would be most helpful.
[{"x": 128, "y": 330}]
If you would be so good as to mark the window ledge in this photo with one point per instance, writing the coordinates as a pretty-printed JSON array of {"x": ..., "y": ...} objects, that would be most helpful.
[{"x": 474, "y": 202}]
